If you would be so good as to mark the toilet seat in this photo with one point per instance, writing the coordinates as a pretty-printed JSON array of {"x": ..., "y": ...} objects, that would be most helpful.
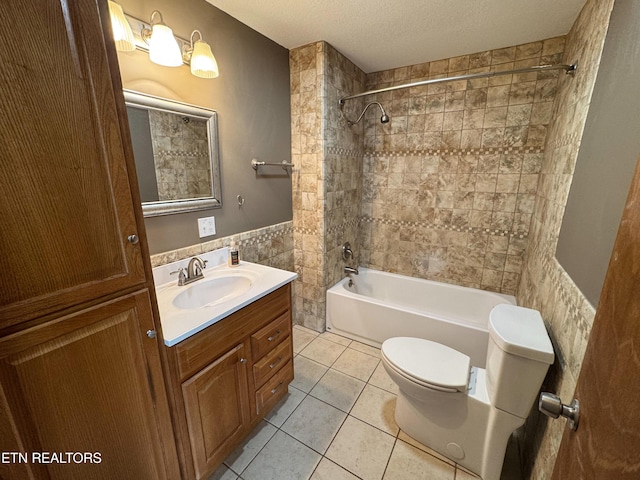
[{"x": 429, "y": 364}]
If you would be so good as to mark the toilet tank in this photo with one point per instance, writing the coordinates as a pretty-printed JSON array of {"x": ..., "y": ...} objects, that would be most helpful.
[{"x": 518, "y": 357}]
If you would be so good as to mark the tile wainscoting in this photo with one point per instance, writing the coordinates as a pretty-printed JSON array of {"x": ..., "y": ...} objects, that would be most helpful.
[{"x": 272, "y": 246}]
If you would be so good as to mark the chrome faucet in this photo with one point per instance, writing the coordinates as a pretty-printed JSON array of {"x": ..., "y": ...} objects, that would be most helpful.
[
  {"x": 347, "y": 253},
  {"x": 192, "y": 273},
  {"x": 349, "y": 270}
]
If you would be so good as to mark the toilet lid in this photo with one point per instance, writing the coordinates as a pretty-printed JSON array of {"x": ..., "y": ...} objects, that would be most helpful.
[{"x": 428, "y": 362}]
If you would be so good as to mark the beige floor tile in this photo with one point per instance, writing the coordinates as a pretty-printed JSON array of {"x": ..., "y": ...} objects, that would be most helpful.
[
  {"x": 282, "y": 458},
  {"x": 411, "y": 441},
  {"x": 356, "y": 364},
  {"x": 368, "y": 349},
  {"x": 361, "y": 449},
  {"x": 223, "y": 473},
  {"x": 327, "y": 470},
  {"x": 465, "y": 475},
  {"x": 323, "y": 351},
  {"x": 410, "y": 463},
  {"x": 306, "y": 329},
  {"x": 377, "y": 407},
  {"x": 332, "y": 337},
  {"x": 306, "y": 373},
  {"x": 338, "y": 389},
  {"x": 302, "y": 337},
  {"x": 246, "y": 451},
  {"x": 285, "y": 407},
  {"x": 314, "y": 423},
  {"x": 381, "y": 379}
]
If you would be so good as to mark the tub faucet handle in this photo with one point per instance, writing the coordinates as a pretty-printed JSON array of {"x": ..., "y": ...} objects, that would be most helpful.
[{"x": 347, "y": 253}]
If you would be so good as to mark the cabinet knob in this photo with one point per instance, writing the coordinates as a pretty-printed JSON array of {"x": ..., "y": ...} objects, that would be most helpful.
[
  {"x": 151, "y": 333},
  {"x": 243, "y": 360},
  {"x": 274, "y": 336},
  {"x": 133, "y": 239}
]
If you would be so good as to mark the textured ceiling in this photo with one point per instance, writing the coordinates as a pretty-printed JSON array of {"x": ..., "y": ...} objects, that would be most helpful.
[{"x": 382, "y": 34}]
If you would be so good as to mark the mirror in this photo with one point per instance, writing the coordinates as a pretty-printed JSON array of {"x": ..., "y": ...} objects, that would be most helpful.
[{"x": 175, "y": 146}]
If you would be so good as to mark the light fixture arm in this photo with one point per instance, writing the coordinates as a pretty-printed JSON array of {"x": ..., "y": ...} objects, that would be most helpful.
[{"x": 187, "y": 50}]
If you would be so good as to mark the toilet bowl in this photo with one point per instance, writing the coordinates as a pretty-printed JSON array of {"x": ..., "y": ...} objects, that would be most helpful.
[{"x": 464, "y": 412}]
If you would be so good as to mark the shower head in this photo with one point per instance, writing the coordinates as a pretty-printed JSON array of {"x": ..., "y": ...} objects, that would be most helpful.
[{"x": 383, "y": 119}]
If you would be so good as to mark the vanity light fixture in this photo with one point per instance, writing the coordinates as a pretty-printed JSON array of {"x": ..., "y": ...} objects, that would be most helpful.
[
  {"x": 122, "y": 33},
  {"x": 163, "y": 46},
  {"x": 203, "y": 63},
  {"x": 158, "y": 40}
]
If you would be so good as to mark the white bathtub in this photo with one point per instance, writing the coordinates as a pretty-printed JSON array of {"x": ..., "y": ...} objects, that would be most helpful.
[{"x": 382, "y": 305}]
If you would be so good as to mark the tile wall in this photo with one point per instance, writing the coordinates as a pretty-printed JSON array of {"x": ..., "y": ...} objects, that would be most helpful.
[
  {"x": 545, "y": 285},
  {"x": 326, "y": 181},
  {"x": 449, "y": 183},
  {"x": 272, "y": 246}
]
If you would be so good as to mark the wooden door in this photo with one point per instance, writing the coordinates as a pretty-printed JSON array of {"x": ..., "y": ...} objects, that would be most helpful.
[
  {"x": 217, "y": 407},
  {"x": 607, "y": 443},
  {"x": 89, "y": 384},
  {"x": 66, "y": 203}
]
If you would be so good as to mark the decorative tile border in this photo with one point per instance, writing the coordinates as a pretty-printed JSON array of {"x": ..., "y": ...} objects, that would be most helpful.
[
  {"x": 453, "y": 228},
  {"x": 456, "y": 151},
  {"x": 183, "y": 153},
  {"x": 345, "y": 152},
  {"x": 565, "y": 140},
  {"x": 250, "y": 238},
  {"x": 305, "y": 231},
  {"x": 341, "y": 226}
]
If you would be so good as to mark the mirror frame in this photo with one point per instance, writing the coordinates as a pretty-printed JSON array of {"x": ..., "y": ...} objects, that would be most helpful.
[{"x": 167, "y": 207}]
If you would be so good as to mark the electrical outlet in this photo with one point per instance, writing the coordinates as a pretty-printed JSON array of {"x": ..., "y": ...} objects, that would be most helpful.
[{"x": 207, "y": 226}]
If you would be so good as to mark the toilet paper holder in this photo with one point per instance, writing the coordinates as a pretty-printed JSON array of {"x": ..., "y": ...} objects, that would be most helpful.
[{"x": 551, "y": 405}]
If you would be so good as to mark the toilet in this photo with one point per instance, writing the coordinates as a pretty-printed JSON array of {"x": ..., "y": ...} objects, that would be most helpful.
[{"x": 465, "y": 412}]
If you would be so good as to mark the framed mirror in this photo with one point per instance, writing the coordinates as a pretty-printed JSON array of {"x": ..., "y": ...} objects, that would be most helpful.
[{"x": 175, "y": 146}]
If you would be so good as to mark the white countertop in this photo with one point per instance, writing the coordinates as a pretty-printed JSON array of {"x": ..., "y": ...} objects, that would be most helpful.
[{"x": 179, "y": 324}]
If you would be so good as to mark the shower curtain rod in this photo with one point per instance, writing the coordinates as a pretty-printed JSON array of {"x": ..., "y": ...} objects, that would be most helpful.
[{"x": 570, "y": 69}]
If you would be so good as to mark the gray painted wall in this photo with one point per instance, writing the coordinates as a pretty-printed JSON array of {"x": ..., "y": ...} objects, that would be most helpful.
[
  {"x": 252, "y": 99},
  {"x": 607, "y": 158}
]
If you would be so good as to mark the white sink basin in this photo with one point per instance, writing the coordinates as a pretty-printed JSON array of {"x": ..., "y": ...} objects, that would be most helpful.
[
  {"x": 212, "y": 291},
  {"x": 185, "y": 310}
]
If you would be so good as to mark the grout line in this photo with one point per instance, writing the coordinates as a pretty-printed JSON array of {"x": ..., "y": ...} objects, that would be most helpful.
[{"x": 395, "y": 441}]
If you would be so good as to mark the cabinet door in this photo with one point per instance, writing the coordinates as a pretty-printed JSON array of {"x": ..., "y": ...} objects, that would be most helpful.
[
  {"x": 66, "y": 203},
  {"x": 88, "y": 384},
  {"x": 217, "y": 406}
]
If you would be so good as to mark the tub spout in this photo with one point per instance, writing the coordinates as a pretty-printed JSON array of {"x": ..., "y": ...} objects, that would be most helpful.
[{"x": 349, "y": 270}]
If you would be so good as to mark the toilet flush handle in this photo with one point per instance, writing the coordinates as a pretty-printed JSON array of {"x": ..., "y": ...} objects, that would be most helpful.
[{"x": 551, "y": 405}]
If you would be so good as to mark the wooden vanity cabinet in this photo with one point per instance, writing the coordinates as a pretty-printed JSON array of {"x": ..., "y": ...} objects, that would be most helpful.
[
  {"x": 227, "y": 377},
  {"x": 81, "y": 366}
]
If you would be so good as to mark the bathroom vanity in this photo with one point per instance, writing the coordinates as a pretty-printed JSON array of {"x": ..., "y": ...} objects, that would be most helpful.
[
  {"x": 230, "y": 353},
  {"x": 227, "y": 377}
]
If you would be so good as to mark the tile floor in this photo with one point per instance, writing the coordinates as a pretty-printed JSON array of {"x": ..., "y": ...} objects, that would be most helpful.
[{"x": 337, "y": 423}]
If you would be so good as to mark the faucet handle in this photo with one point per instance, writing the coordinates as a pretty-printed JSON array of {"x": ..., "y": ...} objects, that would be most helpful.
[{"x": 181, "y": 275}]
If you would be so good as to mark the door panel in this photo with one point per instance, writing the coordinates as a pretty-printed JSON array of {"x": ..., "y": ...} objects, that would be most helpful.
[
  {"x": 607, "y": 442},
  {"x": 217, "y": 406},
  {"x": 66, "y": 204},
  {"x": 92, "y": 389}
]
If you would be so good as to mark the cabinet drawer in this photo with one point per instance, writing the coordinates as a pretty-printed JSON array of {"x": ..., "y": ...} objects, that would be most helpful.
[
  {"x": 273, "y": 361},
  {"x": 268, "y": 337},
  {"x": 198, "y": 351},
  {"x": 274, "y": 389}
]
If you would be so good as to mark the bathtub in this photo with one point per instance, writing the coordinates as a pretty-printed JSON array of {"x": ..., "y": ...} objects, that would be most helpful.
[{"x": 381, "y": 305}]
